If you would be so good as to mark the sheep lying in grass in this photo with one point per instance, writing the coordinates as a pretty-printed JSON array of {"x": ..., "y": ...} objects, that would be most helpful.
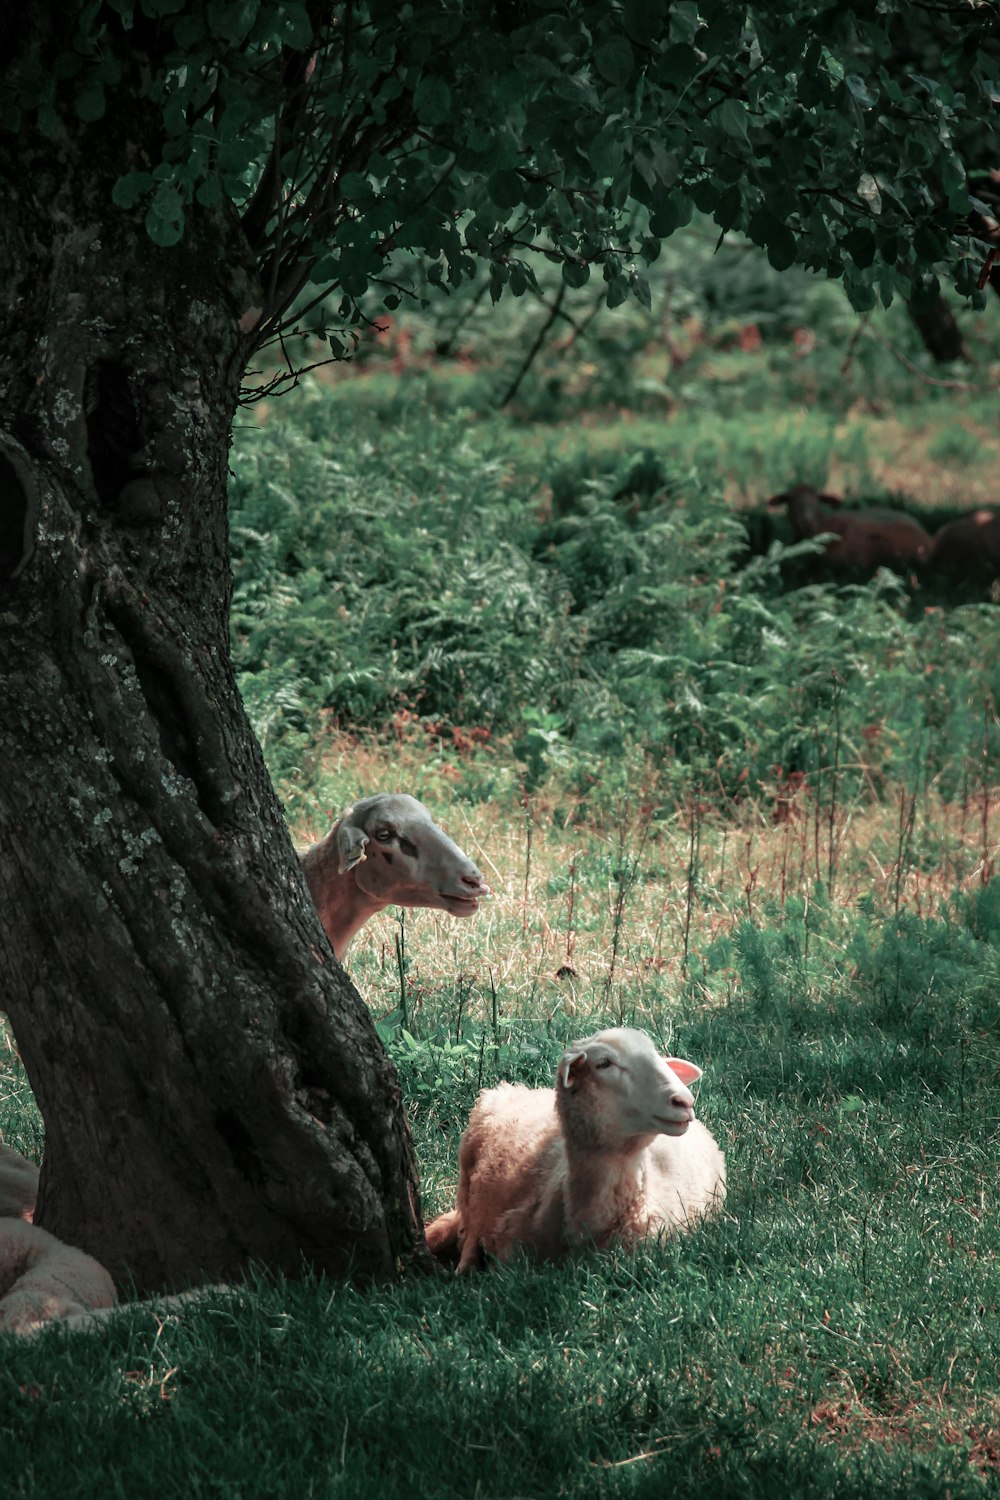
[
  {"x": 612, "y": 1154},
  {"x": 18, "y": 1184},
  {"x": 42, "y": 1280},
  {"x": 863, "y": 539},
  {"x": 387, "y": 851}
]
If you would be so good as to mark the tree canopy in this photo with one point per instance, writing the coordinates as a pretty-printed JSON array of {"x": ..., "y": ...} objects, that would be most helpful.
[{"x": 353, "y": 139}]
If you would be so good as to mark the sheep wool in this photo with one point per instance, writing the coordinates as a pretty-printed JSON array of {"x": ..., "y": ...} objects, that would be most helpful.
[
  {"x": 612, "y": 1154},
  {"x": 18, "y": 1184},
  {"x": 43, "y": 1280}
]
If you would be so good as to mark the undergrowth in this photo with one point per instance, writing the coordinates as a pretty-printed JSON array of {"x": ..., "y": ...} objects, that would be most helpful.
[{"x": 421, "y": 574}]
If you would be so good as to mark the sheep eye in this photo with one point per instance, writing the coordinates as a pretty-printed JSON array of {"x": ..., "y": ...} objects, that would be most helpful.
[
  {"x": 603, "y": 1062},
  {"x": 383, "y": 835}
]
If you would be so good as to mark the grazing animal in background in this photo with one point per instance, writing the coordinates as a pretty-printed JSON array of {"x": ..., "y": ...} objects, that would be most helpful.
[
  {"x": 612, "y": 1154},
  {"x": 18, "y": 1184},
  {"x": 386, "y": 850},
  {"x": 969, "y": 547},
  {"x": 862, "y": 539},
  {"x": 43, "y": 1280}
]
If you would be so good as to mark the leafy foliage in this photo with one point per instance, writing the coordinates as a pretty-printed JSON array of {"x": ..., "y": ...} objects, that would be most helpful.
[
  {"x": 419, "y": 571},
  {"x": 360, "y": 142}
]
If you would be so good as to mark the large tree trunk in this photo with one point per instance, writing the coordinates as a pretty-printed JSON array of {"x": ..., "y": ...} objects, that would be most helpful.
[
  {"x": 939, "y": 330},
  {"x": 213, "y": 1090}
]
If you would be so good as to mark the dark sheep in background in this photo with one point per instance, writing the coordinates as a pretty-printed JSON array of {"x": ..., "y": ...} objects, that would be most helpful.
[
  {"x": 969, "y": 547},
  {"x": 862, "y": 539}
]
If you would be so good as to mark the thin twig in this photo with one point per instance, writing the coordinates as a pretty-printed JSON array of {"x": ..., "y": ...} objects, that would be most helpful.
[{"x": 532, "y": 353}]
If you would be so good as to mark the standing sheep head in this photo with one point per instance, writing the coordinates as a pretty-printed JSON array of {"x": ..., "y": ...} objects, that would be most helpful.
[
  {"x": 630, "y": 1090},
  {"x": 399, "y": 855},
  {"x": 806, "y": 507}
]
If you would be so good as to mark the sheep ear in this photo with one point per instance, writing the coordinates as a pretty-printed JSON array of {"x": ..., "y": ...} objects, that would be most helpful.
[
  {"x": 686, "y": 1071},
  {"x": 572, "y": 1065},
  {"x": 351, "y": 841}
]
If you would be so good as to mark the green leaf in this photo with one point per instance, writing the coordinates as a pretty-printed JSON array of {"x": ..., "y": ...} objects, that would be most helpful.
[
  {"x": 432, "y": 100},
  {"x": 355, "y": 187},
  {"x": 606, "y": 151},
  {"x": 705, "y": 195},
  {"x": 617, "y": 292},
  {"x": 505, "y": 189},
  {"x": 209, "y": 192},
  {"x": 860, "y": 245},
  {"x": 679, "y": 64},
  {"x": 614, "y": 60},
  {"x": 728, "y": 212},
  {"x": 129, "y": 189},
  {"x": 296, "y": 28},
  {"x": 575, "y": 272},
  {"x": 165, "y": 216},
  {"x": 644, "y": 20},
  {"x": 731, "y": 117},
  {"x": 672, "y": 212},
  {"x": 89, "y": 101},
  {"x": 862, "y": 92},
  {"x": 658, "y": 167},
  {"x": 929, "y": 246},
  {"x": 640, "y": 290},
  {"x": 861, "y": 294},
  {"x": 231, "y": 19},
  {"x": 781, "y": 247}
]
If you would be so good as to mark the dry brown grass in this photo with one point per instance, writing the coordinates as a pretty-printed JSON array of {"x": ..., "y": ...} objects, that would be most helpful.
[
  {"x": 901, "y": 460},
  {"x": 611, "y": 909}
]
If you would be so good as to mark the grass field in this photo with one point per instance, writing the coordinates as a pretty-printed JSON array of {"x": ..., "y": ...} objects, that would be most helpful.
[{"x": 801, "y": 899}]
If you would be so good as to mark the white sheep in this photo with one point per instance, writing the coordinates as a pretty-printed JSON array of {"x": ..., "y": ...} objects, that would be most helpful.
[
  {"x": 43, "y": 1280},
  {"x": 387, "y": 851},
  {"x": 863, "y": 539},
  {"x": 18, "y": 1184},
  {"x": 612, "y": 1154}
]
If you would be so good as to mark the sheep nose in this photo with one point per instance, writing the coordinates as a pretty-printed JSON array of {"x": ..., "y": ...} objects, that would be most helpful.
[{"x": 476, "y": 882}]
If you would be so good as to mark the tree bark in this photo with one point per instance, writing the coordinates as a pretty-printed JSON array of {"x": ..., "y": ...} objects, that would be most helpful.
[
  {"x": 213, "y": 1089},
  {"x": 939, "y": 330}
]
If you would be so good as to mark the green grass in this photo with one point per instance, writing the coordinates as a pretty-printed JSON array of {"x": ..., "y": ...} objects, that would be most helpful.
[{"x": 832, "y": 1333}]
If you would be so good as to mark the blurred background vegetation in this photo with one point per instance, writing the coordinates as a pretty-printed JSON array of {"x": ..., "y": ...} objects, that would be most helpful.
[{"x": 571, "y": 554}]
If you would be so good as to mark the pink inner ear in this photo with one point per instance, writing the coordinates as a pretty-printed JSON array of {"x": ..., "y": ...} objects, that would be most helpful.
[
  {"x": 572, "y": 1065},
  {"x": 686, "y": 1071}
]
